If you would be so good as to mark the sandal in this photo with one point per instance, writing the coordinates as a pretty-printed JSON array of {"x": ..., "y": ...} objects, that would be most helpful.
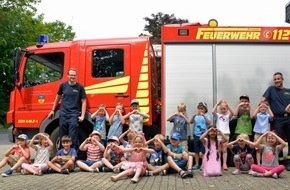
[{"x": 182, "y": 175}]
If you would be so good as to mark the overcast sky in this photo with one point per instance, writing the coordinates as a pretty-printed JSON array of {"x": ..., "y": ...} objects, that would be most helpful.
[{"x": 125, "y": 18}]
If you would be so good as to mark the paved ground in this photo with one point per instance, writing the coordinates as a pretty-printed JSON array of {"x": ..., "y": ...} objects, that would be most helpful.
[{"x": 85, "y": 180}]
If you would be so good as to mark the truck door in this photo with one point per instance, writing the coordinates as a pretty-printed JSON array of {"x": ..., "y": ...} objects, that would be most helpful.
[{"x": 107, "y": 78}]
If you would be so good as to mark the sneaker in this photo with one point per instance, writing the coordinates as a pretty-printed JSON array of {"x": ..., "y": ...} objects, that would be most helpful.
[
  {"x": 65, "y": 171},
  {"x": 163, "y": 173},
  {"x": 106, "y": 169},
  {"x": 96, "y": 170},
  {"x": 148, "y": 173},
  {"x": 251, "y": 172},
  {"x": 236, "y": 172},
  {"x": 116, "y": 170},
  {"x": 23, "y": 171},
  {"x": 189, "y": 173},
  {"x": 134, "y": 180},
  {"x": 196, "y": 167},
  {"x": 256, "y": 174},
  {"x": 275, "y": 175},
  {"x": 7, "y": 173}
]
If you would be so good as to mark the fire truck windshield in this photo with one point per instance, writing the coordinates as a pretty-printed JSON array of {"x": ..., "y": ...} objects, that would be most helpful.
[{"x": 43, "y": 68}]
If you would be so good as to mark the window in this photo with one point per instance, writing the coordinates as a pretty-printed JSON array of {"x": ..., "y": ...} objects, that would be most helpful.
[
  {"x": 43, "y": 68},
  {"x": 108, "y": 63}
]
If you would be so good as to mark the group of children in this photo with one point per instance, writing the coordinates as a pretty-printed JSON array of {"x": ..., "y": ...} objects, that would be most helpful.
[
  {"x": 129, "y": 154},
  {"x": 211, "y": 142}
]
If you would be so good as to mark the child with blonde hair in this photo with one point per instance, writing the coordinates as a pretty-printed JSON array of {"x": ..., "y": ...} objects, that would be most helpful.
[
  {"x": 117, "y": 121},
  {"x": 100, "y": 117},
  {"x": 211, "y": 161},
  {"x": 270, "y": 154},
  {"x": 242, "y": 148},
  {"x": 130, "y": 133},
  {"x": 263, "y": 115},
  {"x": 16, "y": 155},
  {"x": 223, "y": 114},
  {"x": 180, "y": 123},
  {"x": 137, "y": 164},
  {"x": 43, "y": 152}
]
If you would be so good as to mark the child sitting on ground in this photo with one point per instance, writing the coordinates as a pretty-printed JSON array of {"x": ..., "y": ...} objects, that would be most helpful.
[
  {"x": 43, "y": 152},
  {"x": 178, "y": 159},
  {"x": 157, "y": 160},
  {"x": 16, "y": 155},
  {"x": 137, "y": 164},
  {"x": 94, "y": 149},
  {"x": 242, "y": 149},
  {"x": 113, "y": 156},
  {"x": 270, "y": 153},
  {"x": 64, "y": 160}
]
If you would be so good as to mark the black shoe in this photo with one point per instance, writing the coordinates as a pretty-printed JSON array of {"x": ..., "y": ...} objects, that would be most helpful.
[
  {"x": 66, "y": 171},
  {"x": 106, "y": 169},
  {"x": 189, "y": 173},
  {"x": 288, "y": 165}
]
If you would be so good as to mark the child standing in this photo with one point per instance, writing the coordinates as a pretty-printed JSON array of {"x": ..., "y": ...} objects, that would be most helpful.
[
  {"x": 244, "y": 117},
  {"x": 136, "y": 117},
  {"x": 242, "y": 149},
  {"x": 16, "y": 155},
  {"x": 180, "y": 123},
  {"x": 178, "y": 159},
  {"x": 157, "y": 160},
  {"x": 113, "y": 155},
  {"x": 43, "y": 153},
  {"x": 270, "y": 153},
  {"x": 201, "y": 119},
  {"x": 223, "y": 118},
  {"x": 211, "y": 162},
  {"x": 100, "y": 117},
  {"x": 117, "y": 121},
  {"x": 137, "y": 164},
  {"x": 94, "y": 149},
  {"x": 263, "y": 116},
  {"x": 64, "y": 160}
]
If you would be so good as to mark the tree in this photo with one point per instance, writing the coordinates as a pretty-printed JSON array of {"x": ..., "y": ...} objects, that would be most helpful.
[
  {"x": 155, "y": 23},
  {"x": 20, "y": 27},
  {"x": 154, "y": 28}
]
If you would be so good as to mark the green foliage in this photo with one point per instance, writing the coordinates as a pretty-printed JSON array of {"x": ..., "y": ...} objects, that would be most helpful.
[
  {"x": 20, "y": 27},
  {"x": 155, "y": 23}
]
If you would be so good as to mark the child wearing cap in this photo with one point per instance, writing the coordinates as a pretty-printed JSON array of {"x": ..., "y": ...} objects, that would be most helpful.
[
  {"x": 95, "y": 150},
  {"x": 244, "y": 113},
  {"x": 100, "y": 117},
  {"x": 16, "y": 155},
  {"x": 180, "y": 123},
  {"x": 178, "y": 159},
  {"x": 201, "y": 119},
  {"x": 43, "y": 152},
  {"x": 64, "y": 160},
  {"x": 136, "y": 117},
  {"x": 117, "y": 121},
  {"x": 113, "y": 156}
]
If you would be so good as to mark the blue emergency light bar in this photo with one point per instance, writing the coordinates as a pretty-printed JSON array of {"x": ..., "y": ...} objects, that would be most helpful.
[{"x": 42, "y": 39}]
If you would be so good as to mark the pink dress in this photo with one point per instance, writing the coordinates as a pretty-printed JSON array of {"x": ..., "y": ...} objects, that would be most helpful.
[
  {"x": 212, "y": 165},
  {"x": 137, "y": 160}
]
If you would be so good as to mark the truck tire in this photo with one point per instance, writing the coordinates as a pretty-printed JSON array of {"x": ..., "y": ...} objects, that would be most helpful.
[{"x": 55, "y": 140}]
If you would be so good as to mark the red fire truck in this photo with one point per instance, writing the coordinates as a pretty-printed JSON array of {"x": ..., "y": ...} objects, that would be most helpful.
[
  {"x": 111, "y": 70},
  {"x": 200, "y": 62}
]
